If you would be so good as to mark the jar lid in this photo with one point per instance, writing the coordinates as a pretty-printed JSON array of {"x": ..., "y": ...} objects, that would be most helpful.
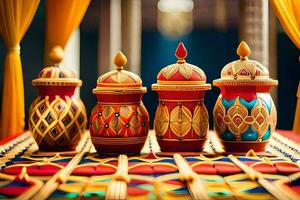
[
  {"x": 119, "y": 80},
  {"x": 245, "y": 71},
  {"x": 55, "y": 75},
  {"x": 181, "y": 75}
]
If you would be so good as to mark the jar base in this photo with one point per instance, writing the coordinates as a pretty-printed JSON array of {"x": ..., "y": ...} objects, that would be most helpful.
[
  {"x": 244, "y": 146},
  {"x": 116, "y": 146},
  {"x": 57, "y": 148},
  {"x": 181, "y": 146}
]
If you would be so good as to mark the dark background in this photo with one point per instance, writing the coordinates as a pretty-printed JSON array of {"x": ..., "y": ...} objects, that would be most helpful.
[{"x": 208, "y": 48}]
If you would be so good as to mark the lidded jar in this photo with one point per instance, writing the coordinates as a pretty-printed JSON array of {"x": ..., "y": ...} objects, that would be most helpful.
[
  {"x": 57, "y": 118},
  {"x": 181, "y": 119},
  {"x": 119, "y": 123},
  {"x": 244, "y": 114}
]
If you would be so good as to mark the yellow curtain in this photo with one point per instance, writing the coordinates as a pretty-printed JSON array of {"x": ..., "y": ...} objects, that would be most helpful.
[
  {"x": 288, "y": 13},
  {"x": 15, "y": 18},
  {"x": 62, "y": 18}
]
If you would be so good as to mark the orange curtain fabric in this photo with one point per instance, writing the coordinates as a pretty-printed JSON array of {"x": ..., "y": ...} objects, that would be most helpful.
[
  {"x": 288, "y": 13},
  {"x": 15, "y": 18},
  {"x": 62, "y": 18}
]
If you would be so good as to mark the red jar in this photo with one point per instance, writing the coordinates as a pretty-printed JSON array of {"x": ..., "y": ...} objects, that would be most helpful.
[
  {"x": 119, "y": 123},
  {"x": 57, "y": 118},
  {"x": 181, "y": 119},
  {"x": 244, "y": 114}
]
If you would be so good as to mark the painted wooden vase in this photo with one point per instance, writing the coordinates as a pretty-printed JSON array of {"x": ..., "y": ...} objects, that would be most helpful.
[
  {"x": 244, "y": 113},
  {"x": 119, "y": 123},
  {"x": 181, "y": 119},
  {"x": 57, "y": 118}
]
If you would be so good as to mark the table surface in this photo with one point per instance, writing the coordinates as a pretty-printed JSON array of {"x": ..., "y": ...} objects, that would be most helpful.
[{"x": 212, "y": 174}]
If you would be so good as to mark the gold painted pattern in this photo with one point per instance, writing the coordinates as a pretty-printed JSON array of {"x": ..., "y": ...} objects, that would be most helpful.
[
  {"x": 237, "y": 119},
  {"x": 58, "y": 122},
  {"x": 180, "y": 120}
]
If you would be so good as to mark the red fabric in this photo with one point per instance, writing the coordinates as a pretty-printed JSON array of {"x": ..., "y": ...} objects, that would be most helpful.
[
  {"x": 10, "y": 138},
  {"x": 290, "y": 135},
  {"x": 265, "y": 168},
  {"x": 143, "y": 169},
  {"x": 205, "y": 169},
  {"x": 13, "y": 190},
  {"x": 174, "y": 182},
  {"x": 227, "y": 168},
  {"x": 135, "y": 191},
  {"x": 164, "y": 169},
  {"x": 44, "y": 170},
  {"x": 286, "y": 168},
  {"x": 93, "y": 170}
]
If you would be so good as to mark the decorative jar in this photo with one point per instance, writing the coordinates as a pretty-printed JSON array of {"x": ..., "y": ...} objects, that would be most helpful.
[
  {"x": 119, "y": 123},
  {"x": 57, "y": 118},
  {"x": 181, "y": 119},
  {"x": 244, "y": 114}
]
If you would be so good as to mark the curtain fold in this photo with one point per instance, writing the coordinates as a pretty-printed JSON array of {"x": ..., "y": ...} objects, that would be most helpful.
[
  {"x": 15, "y": 18},
  {"x": 288, "y": 13},
  {"x": 62, "y": 18}
]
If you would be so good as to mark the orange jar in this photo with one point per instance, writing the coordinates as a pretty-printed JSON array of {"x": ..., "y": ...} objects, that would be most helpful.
[{"x": 119, "y": 123}]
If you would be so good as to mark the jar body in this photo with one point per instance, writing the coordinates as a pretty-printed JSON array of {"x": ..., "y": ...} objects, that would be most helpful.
[
  {"x": 57, "y": 121},
  {"x": 244, "y": 118},
  {"x": 181, "y": 121},
  {"x": 119, "y": 124}
]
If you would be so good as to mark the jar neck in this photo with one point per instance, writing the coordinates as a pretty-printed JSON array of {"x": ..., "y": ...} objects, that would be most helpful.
[
  {"x": 53, "y": 91},
  {"x": 119, "y": 98},
  {"x": 248, "y": 93}
]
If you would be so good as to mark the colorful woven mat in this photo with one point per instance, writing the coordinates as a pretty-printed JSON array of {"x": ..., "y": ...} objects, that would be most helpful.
[{"x": 28, "y": 174}]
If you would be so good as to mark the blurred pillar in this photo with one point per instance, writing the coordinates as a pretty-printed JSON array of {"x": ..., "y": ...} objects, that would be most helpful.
[
  {"x": 220, "y": 15},
  {"x": 120, "y": 29},
  {"x": 254, "y": 29},
  {"x": 273, "y": 52},
  {"x": 132, "y": 33},
  {"x": 72, "y": 55},
  {"x": 109, "y": 42}
]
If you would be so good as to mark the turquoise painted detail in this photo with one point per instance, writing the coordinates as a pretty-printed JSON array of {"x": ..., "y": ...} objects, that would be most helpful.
[
  {"x": 228, "y": 136},
  {"x": 226, "y": 103},
  {"x": 248, "y": 105},
  {"x": 267, "y": 134},
  {"x": 250, "y": 135}
]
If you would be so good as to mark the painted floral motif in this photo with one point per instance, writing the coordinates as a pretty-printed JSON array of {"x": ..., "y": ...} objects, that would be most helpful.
[
  {"x": 238, "y": 119},
  {"x": 180, "y": 120}
]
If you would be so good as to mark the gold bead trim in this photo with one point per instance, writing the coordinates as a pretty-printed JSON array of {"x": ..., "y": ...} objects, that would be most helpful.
[
  {"x": 158, "y": 87},
  {"x": 56, "y": 82},
  {"x": 257, "y": 82}
]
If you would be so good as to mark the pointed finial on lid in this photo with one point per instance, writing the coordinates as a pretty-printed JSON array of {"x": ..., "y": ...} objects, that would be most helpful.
[
  {"x": 120, "y": 60},
  {"x": 56, "y": 54},
  {"x": 243, "y": 50},
  {"x": 181, "y": 52}
]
